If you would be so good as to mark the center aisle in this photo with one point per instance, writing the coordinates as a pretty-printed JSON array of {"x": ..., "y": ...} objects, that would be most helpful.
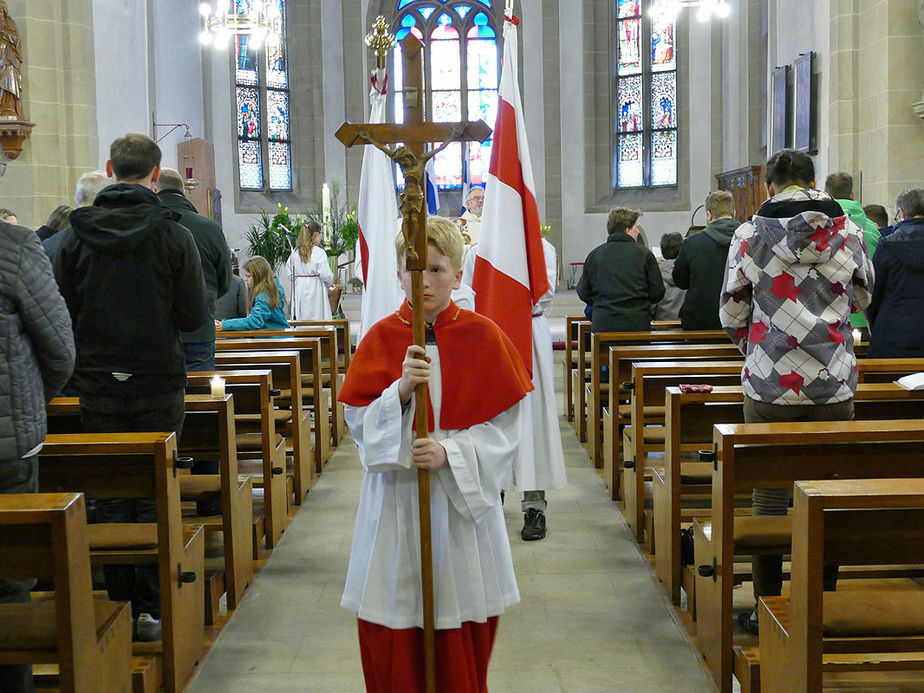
[{"x": 591, "y": 619}]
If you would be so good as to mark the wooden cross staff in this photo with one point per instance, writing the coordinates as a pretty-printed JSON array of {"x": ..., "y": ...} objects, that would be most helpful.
[{"x": 413, "y": 135}]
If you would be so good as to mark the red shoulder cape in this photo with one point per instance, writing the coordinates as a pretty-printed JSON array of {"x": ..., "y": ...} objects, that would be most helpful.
[{"x": 482, "y": 372}]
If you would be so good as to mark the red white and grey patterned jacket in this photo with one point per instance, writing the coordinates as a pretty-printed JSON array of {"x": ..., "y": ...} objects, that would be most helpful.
[{"x": 794, "y": 274}]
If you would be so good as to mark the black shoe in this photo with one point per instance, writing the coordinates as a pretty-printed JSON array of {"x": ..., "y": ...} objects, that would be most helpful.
[
  {"x": 533, "y": 525},
  {"x": 748, "y": 621}
]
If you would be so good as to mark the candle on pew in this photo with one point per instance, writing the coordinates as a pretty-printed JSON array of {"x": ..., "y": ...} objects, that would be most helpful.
[
  {"x": 856, "y": 336},
  {"x": 218, "y": 387}
]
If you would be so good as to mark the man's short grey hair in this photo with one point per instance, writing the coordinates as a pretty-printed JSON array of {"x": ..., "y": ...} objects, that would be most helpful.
[
  {"x": 170, "y": 179},
  {"x": 911, "y": 202},
  {"x": 89, "y": 186}
]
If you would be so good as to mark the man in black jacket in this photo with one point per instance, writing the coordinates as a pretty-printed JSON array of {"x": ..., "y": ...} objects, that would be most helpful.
[
  {"x": 199, "y": 344},
  {"x": 621, "y": 280},
  {"x": 132, "y": 280},
  {"x": 700, "y": 266}
]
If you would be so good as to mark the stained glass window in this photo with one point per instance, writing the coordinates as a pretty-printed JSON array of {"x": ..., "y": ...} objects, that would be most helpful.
[
  {"x": 645, "y": 108},
  {"x": 262, "y": 86},
  {"x": 461, "y": 72}
]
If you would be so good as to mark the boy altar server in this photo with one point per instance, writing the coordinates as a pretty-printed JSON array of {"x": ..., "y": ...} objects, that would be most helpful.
[{"x": 476, "y": 383}]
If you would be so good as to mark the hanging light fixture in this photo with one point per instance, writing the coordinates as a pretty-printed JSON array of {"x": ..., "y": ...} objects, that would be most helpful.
[
  {"x": 226, "y": 19},
  {"x": 706, "y": 9}
]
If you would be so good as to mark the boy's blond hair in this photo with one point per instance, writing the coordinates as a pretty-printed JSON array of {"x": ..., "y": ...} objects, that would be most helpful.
[{"x": 442, "y": 233}]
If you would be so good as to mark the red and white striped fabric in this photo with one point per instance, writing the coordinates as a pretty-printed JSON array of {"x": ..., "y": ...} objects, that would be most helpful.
[
  {"x": 509, "y": 276},
  {"x": 377, "y": 215}
]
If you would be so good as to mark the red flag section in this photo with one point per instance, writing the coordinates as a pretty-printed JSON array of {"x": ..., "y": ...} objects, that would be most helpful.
[{"x": 509, "y": 276}]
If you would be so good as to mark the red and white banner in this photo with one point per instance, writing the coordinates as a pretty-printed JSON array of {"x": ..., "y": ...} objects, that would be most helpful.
[
  {"x": 377, "y": 214},
  {"x": 509, "y": 276}
]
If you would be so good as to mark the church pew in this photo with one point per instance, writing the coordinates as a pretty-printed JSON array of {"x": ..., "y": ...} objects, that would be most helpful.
[
  {"x": 296, "y": 427},
  {"x": 256, "y": 439},
  {"x": 776, "y": 455},
  {"x": 689, "y": 420},
  {"x": 646, "y": 433},
  {"x": 614, "y": 410},
  {"x": 331, "y": 374},
  {"x": 44, "y": 536},
  {"x": 345, "y": 349},
  {"x": 140, "y": 465},
  {"x": 600, "y": 343},
  {"x": 852, "y": 522},
  {"x": 314, "y": 396},
  {"x": 208, "y": 432},
  {"x": 569, "y": 364},
  {"x": 579, "y": 378}
]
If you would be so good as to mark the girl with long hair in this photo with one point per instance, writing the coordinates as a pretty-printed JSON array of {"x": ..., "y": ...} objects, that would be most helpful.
[
  {"x": 266, "y": 299},
  {"x": 310, "y": 276}
]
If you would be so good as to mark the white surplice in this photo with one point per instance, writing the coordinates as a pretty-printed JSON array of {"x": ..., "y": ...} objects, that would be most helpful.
[
  {"x": 473, "y": 566},
  {"x": 540, "y": 463},
  {"x": 311, "y": 281}
]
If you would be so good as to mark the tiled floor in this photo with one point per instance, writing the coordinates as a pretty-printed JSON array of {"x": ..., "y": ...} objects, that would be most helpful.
[{"x": 592, "y": 617}]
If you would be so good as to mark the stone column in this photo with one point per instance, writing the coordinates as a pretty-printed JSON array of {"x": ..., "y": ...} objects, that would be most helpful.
[
  {"x": 919, "y": 106},
  {"x": 59, "y": 96}
]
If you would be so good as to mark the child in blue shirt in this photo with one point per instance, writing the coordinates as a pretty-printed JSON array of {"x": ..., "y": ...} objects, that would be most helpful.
[{"x": 266, "y": 300}]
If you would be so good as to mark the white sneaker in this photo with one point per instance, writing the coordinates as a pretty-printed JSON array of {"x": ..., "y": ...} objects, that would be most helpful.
[{"x": 147, "y": 628}]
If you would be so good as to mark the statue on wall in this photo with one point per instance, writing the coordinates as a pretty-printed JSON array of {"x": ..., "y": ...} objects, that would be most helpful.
[{"x": 10, "y": 67}]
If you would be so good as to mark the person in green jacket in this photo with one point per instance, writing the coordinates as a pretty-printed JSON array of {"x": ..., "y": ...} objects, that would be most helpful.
[
  {"x": 266, "y": 300},
  {"x": 840, "y": 186}
]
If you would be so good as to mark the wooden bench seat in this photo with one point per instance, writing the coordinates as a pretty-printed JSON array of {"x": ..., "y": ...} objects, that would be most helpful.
[
  {"x": 141, "y": 465},
  {"x": 813, "y": 633},
  {"x": 690, "y": 420},
  {"x": 286, "y": 376},
  {"x": 44, "y": 536},
  {"x": 776, "y": 455},
  {"x": 256, "y": 440},
  {"x": 316, "y": 401}
]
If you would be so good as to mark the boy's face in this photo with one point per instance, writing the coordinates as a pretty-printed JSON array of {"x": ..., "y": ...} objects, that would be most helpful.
[{"x": 439, "y": 281}]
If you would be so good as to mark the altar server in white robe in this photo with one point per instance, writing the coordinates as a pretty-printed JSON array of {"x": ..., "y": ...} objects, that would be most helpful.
[
  {"x": 477, "y": 382},
  {"x": 310, "y": 276},
  {"x": 540, "y": 462}
]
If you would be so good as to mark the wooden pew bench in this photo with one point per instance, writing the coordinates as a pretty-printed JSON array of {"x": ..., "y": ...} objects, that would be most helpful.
[
  {"x": 292, "y": 422},
  {"x": 620, "y": 359},
  {"x": 596, "y": 393},
  {"x": 876, "y": 631},
  {"x": 573, "y": 351},
  {"x": 345, "y": 353},
  {"x": 261, "y": 451},
  {"x": 682, "y": 485},
  {"x": 44, "y": 536},
  {"x": 331, "y": 374},
  {"x": 208, "y": 433},
  {"x": 776, "y": 455},
  {"x": 140, "y": 465},
  {"x": 647, "y": 385},
  {"x": 314, "y": 403}
]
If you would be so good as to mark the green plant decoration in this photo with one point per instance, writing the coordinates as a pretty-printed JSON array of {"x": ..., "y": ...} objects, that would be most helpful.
[{"x": 273, "y": 237}]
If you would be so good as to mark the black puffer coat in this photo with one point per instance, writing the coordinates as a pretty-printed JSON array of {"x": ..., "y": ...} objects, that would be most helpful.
[{"x": 699, "y": 269}]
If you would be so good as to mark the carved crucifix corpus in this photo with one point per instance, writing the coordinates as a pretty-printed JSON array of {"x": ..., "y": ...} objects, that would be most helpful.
[{"x": 414, "y": 134}]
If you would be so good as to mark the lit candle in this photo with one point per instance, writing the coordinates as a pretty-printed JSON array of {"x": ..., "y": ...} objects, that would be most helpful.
[
  {"x": 325, "y": 210},
  {"x": 856, "y": 336},
  {"x": 218, "y": 387}
]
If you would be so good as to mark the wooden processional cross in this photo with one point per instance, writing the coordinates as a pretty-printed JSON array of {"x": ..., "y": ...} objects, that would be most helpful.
[{"x": 411, "y": 156}]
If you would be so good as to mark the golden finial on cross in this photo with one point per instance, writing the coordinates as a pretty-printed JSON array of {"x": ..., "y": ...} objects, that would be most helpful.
[{"x": 380, "y": 41}]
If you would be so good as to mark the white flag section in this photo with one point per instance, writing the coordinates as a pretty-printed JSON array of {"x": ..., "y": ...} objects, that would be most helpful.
[
  {"x": 509, "y": 276},
  {"x": 377, "y": 214}
]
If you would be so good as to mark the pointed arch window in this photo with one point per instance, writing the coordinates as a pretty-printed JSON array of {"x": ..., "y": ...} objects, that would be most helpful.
[
  {"x": 461, "y": 73},
  {"x": 645, "y": 115},
  {"x": 261, "y": 76}
]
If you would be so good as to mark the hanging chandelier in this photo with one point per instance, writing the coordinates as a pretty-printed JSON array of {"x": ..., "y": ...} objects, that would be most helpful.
[
  {"x": 263, "y": 24},
  {"x": 706, "y": 9}
]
